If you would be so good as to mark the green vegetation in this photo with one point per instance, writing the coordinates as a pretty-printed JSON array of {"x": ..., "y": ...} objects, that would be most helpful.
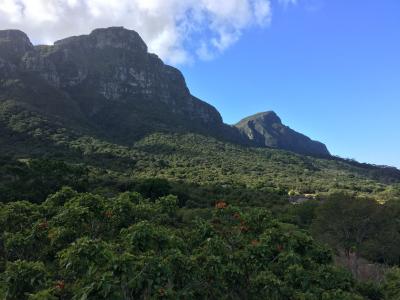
[
  {"x": 392, "y": 284},
  {"x": 197, "y": 160},
  {"x": 117, "y": 234},
  {"x": 229, "y": 232},
  {"x": 122, "y": 236},
  {"x": 83, "y": 246},
  {"x": 360, "y": 226}
]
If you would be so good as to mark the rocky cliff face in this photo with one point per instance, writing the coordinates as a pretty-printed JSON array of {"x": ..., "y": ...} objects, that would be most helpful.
[
  {"x": 266, "y": 130},
  {"x": 107, "y": 83},
  {"x": 112, "y": 80},
  {"x": 14, "y": 44}
]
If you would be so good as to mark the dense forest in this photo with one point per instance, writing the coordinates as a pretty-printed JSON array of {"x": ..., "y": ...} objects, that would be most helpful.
[
  {"x": 205, "y": 219},
  {"x": 85, "y": 246},
  {"x": 186, "y": 216}
]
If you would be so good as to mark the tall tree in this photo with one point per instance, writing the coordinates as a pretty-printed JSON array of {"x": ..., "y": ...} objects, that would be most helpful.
[{"x": 346, "y": 223}]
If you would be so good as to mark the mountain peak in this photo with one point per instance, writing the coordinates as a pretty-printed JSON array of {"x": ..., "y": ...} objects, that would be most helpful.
[
  {"x": 13, "y": 35},
  {"x": 266, "y": 129},
  {"x": 112, "y": 85},
  {"x": 267, "y": 117},
  {"x": 113, "y": 37},
  {"x": 13, "y": 45}
]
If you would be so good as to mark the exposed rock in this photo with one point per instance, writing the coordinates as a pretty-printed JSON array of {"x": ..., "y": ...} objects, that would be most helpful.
[
  {"x": 266, "y": 129},
  {"x": 13, "y": 45},
  {"x": 113, "y": 37},
  {"x": 112, "y": 86},
  {"x": 117, "y": 84},
  {"x": 7, "y": 70}
]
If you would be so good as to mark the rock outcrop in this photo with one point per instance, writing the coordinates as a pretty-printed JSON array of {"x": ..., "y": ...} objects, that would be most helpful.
[
  {"x": 13, "y": 45},
  {"x": 266, "y": 130},
  {"x": 113, "y": 81}
]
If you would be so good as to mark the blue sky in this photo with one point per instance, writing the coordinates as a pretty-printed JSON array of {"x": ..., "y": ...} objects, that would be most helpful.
[{"x": 330, "y": 69}]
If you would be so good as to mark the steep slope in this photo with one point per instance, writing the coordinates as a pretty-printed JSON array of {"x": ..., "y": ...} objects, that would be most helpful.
[
  {"x": 106, "y": 85},
  {"x": 266, "y": 129},
  {"x": 106, "y": 82}
]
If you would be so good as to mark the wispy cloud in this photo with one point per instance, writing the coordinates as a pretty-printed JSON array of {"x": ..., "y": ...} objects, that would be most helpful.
[{"x": 177, "y": 30}]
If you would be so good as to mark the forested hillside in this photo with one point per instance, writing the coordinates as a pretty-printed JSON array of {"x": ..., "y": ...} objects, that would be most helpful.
[
  {"x": 202, "y": 173},
  {"x": 117, "y": 183}
]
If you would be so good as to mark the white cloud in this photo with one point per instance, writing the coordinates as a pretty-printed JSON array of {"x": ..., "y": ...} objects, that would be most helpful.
[{"x": 177, "y": 30}]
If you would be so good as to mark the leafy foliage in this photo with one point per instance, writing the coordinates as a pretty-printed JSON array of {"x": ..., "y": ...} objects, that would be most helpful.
[
  {"x": 392, "y": 284},
  {"x": 34, "y": 180},
  {"x": 360, "y": 227},
  {"x": 85, "y": 246}
]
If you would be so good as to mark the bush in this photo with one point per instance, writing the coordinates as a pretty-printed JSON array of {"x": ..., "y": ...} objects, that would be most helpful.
[{"x": 24, "y": 277}]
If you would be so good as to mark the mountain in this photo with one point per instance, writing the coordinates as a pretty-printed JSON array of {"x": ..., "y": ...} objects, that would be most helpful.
[
  {"x": 105, "y": 81},
  {"x": 107, "y": 85},
  {"x": 266, "y": 130}
]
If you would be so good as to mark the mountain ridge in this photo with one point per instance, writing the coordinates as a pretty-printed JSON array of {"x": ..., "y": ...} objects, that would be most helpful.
[{"x": 108, "y": 83}]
